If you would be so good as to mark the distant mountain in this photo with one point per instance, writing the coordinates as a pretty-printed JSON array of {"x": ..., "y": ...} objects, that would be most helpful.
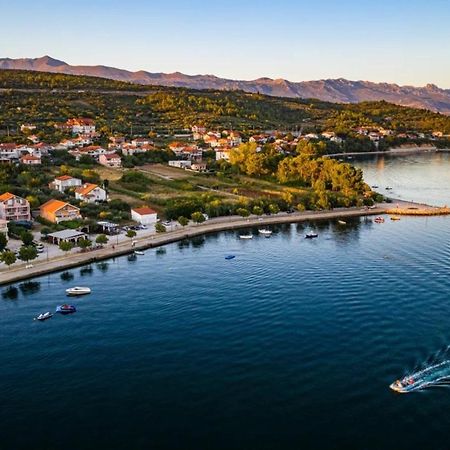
[{"x": 340, "y": 90}]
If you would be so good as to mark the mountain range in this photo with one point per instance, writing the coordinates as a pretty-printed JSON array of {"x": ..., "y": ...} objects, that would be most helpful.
[{"x": 333, "y": 90}]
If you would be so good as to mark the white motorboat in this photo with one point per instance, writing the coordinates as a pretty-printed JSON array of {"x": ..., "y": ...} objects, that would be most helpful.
[
  {"x": 138, "y": 252},
  {"x": 342, "y": 222},
  {"x": 78, "y": 290},
  {"x": 265, "y": 232},
  {"x": 246, "y": 236},
  {"x": 44, "y": 316}
]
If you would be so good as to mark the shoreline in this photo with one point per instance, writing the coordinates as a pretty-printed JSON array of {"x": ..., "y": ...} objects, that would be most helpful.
[
  {"x": 413, "y": 150},
  {"x": 60, "y": 264},
  {"x": 215, "y": 225}
]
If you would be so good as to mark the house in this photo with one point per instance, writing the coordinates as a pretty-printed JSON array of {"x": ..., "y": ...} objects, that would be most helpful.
[
  {"x": 144, "y": 216},
  {"x": 13, "y": 207},
  {"x": 27, "y": 127},
  {"x": 33, "y": 138},
  {"x": 31, "y": 160},
  {"x": 138, "y": 142},
  {"x": 198, "y": 132},
  {"x": 56, "y": 211},
  {"x": 130, "y": 150},
  {"x": 72, "y": 236},
  {"x": 110, "y": 160},
  {"x": 180, "y": 164},
  {"x": 90, "y": 193},
  {"x": 223, "y": 153},
  {"x": 65, "y": 182},
  {"x": 9, "y": 151},
  {"x": 199, "y": 167},
  {"x": 81, "y": 126}
]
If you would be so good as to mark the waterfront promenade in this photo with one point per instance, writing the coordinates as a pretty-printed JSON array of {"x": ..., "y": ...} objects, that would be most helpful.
[{"x": 20, "y": 272}]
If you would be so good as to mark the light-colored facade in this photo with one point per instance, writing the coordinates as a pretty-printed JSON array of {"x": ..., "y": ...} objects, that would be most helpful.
[
  {"x": 110, "y": 160},
  {"x": 145, "y": 216},
  {"x": 56, "y": 211},
  {"x": 180, "y": 164},
  {"x": 90, "y": 193},
  {"x": 65, "y": 182},
  {"x": 13, "y": 207}
]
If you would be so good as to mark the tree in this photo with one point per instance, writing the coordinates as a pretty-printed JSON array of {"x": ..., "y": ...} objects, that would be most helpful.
[
  {"x": 3, "y": 241},
  {"x": 131, "y": 234},
  {"x": 244, "y": 212},
  {"x": 27, "y": 253},
  {"x": 183, "y": 221},
  {"x": 27, "y": 238},
  {"x": 8, "y": 257},
  {"x": 65, "y": 246},
  {"x": 257, "y": 210},
  {"x": 160, "y": 228},
  {"x": 273, "y": 208},
  {"x": 101, "y": 239},
  {"x": 84, "y": 243},
  {"x": 197, "y": 217}
]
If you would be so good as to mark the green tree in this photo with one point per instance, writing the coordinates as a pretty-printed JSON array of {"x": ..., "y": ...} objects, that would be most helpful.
[
  {"x": 3, "y": 241},
  {"x": 131, "y": 234},
  {"x": 257, "y": 210},
  {"x": 101, "y": 239},
  {"x": 197, "y": 217},
  {"x": 183, "y": 221},
  {"x": 27, "y": 238},
  {"x": 65, "y": 246},
  {"x": 27, "y": 253},
  {"x": 8, "y": 257},
  {"x": 84, "y": 243},
  {"x": 244, "y": 212},
  {"x": 274, "y": 208},
  {"x": 160, "y": 228}
]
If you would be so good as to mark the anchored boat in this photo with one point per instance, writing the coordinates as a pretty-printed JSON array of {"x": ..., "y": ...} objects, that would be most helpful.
[
  {"x": 246, "y": 236},
  {"x": 66, "y": 309},
  {"x": 265, "y": 232},
  {"x": 311, "y": 235},
  {"x": 138, "y": 252},
  {"x": 44, "y": 316},
  {"x": 78, "y": 290}
]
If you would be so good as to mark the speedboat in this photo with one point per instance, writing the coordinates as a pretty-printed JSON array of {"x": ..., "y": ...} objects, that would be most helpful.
[
  {"x": 246, "y": 236},
  {"x": 230, "y": 257},
  {"x": 311, "y": 235},
  {"x": 138, "y": 252},
  {"x": 403, "y": 386},
  {"x": 342, "y": 222},
  {"x": 379, "y": 220},
  {"x": 66, "y": 309},
  {"x": 78, "y": 290},
  {"x": 44, "y": 316},
  {"x": 265, "y": 232}
]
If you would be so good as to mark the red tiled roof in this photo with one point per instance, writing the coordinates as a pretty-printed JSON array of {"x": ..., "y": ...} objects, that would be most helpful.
[{"x": 144, "y": 210}]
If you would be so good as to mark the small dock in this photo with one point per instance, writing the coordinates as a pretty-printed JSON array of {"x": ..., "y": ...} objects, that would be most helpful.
[{"x": 402, "y": 208}]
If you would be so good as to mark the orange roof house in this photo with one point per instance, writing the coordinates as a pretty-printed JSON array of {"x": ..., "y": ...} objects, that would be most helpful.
[{"x": 57, "y": 211}]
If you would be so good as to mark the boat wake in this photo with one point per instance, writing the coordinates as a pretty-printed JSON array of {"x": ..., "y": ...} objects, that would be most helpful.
[{"x": 435, "y": 374}]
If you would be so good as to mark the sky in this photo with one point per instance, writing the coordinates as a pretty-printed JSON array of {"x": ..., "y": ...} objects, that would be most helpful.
[{"x": 400, "y": 41}]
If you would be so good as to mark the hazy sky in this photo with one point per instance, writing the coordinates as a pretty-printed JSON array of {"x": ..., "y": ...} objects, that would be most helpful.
[{"x": 402, "y": 41}]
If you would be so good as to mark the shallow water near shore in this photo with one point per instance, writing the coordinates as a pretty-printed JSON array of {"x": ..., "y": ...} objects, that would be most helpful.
[
  {"x": 421, "y": 178},
  {"x": 292, "y": 344}
]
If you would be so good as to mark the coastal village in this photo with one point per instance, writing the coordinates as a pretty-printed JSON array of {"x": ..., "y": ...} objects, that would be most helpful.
[{"x": 56, "y": 226}]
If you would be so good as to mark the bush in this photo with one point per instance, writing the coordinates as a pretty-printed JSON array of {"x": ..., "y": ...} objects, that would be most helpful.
[{"x": 160, "y": 228}]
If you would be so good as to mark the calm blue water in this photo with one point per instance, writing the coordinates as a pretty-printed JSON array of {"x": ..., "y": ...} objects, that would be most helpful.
[
  {"x": 291, "y": 345},
  {"x": 423, "y": 178}
]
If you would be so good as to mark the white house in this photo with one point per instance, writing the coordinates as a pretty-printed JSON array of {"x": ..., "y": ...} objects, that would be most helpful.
[
  {"x": 90, "y": 193},
  {"x": 30, "y": 160},
  {"x": 65, "y": 182},
  {"x": 110, "y": 160},
  {"x": 81, "y": 126},
  {"x": 223, "y": 153},
  {"x": 181, "y": 164},
  {"x": 145, "y": 216}
]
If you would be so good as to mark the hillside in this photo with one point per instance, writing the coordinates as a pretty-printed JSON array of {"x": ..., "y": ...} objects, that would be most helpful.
[{"x": 339, "y": 90}]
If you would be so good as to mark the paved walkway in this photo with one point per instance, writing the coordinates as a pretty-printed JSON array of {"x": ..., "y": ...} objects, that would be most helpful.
[{"x": 20, "y": 272}]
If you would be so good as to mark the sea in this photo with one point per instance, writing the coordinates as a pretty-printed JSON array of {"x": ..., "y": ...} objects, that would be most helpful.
[{"x": 290, "y": 345}]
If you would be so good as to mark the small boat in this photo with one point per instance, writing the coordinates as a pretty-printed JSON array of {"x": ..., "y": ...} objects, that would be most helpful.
[
  {"x": 138, "y": 252},
  {"x": 66, "y": 309},
  {"x": 78, "y": 290},
  {"x": 246, "y": 236},
  {"x": 388, "y": 188},
  {"x": 403, "y": 386},
  {"x": 265, "y": 232},
  {"x": 379, "y": 220},
  {"x": 230, "y": 257},
  {"x": 395, "y": 218},
  {"x": 311, "y": 235},
  {"x": 44, "y": 316},
  {"x": 342, "y": 222},
  {"x": 375, "y": 186}
]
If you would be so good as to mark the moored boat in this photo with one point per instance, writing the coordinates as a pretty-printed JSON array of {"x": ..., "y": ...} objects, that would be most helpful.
[
  {"x": 78, "y": 290},
  {"x": 44, "y": 316},
  {"x": 311, "y": 235},
  {"x": 265, "y": 232},
  {"x": 246, "y": 236},
  {"x": 138, "y": 252},
  {"x": 395, "y": 218},
  {"x": 342, "y": 222},
  {"x": 379, "y": 220},
  {"x": 66, "y": 309}
]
